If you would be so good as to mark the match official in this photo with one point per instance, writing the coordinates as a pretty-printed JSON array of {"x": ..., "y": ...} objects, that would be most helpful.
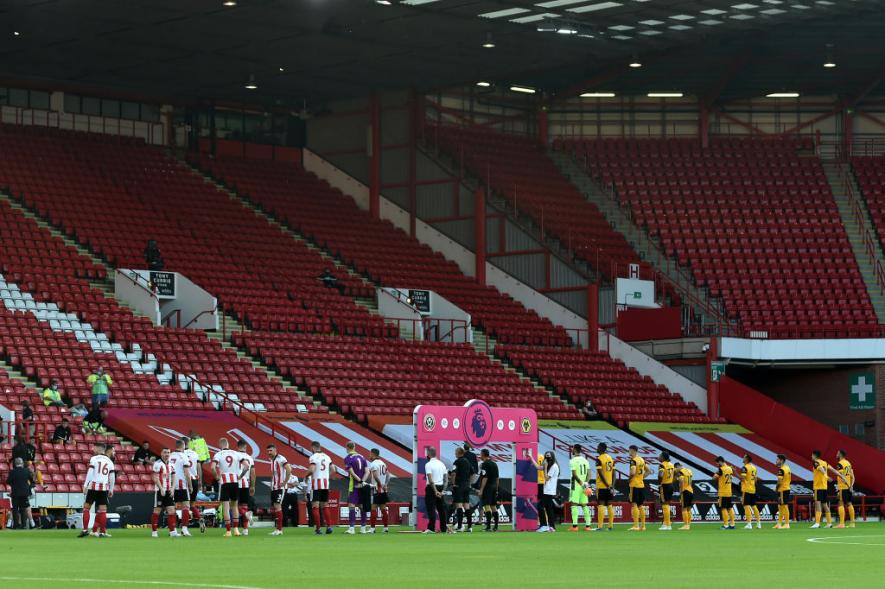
[{"x": 436, "y": 474}]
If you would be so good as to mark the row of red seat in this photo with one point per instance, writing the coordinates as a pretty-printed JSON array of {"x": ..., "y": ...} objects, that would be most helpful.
[{"x": 870, "y": 174}]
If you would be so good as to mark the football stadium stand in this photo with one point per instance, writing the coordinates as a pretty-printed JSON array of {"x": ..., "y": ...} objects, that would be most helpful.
[{"x": 870, "y": 174}]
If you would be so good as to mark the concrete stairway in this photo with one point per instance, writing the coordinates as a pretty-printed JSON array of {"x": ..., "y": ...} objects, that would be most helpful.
[
  {"x": 855, "y": 231},
  {"x": 647, "y": 248}
]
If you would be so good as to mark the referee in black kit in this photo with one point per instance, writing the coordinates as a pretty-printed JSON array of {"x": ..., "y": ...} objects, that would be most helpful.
[
  {"x": 488, "y": 489},
  {"x": 461, "y": 490},
  {"x": 436, "y": 474}
]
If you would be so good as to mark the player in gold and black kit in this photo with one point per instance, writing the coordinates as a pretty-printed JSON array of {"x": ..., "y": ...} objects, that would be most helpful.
[
  {"x": 784, "y": 479},
  {"x": 845, "y": 487},
  {"x": 605, "y": 474},
  {"x": 686, "y": 492},
  {"x": 748, "y": 493},
  {"x": 666, "y": 474},
  {"x": 723, "y": 476},
  {"x": 819, "y": 482},
  {"x": 637, "y": 489}
]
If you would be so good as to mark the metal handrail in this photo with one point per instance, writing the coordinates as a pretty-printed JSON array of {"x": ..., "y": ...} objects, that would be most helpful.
[
  {"x": 198, "y": 315},
  {"x": 137, "y": 280}
]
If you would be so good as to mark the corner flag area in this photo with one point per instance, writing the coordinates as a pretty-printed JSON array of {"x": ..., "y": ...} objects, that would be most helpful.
[{"x": 703, "y": 557}]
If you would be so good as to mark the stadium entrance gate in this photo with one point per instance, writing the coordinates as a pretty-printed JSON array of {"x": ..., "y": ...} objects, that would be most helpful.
[{"x": 480, "y": 425}]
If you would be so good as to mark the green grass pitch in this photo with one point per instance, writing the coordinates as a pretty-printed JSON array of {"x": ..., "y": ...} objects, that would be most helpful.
[{"x": 703, "y": 557}]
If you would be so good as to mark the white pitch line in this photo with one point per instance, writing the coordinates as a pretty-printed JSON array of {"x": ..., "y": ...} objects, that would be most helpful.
[
  {"x": 131, "y": 582},
  {"x": 838, "y": 540}
]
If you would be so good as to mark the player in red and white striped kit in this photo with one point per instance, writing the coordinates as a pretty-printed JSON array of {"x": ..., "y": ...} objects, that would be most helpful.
[
  {"x": 247, "y": 486},
  {"x": 379, "y": 477},
  {"x": 319, "y": 465},
  {"x": 162, "y": 476},
  {"x": 280, "y": 470},
  {"x": 180, "y": 473},
  {"x": 98, "y": 488},
  {"x": 229, "y": 466}
]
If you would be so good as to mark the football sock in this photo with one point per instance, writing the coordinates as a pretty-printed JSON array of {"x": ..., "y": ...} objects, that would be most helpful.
[
  {"x": 374, "y": 519},
  {"x": 327, "y": 516},
  {"x": 575, "y": 515},
  {"x": 469, "y": 517},
  {"x": 227, "y": 525},
  {"x": 829, "y": 515},
  {"x": 641, "y": 510},
  {"x": 686, "y": 517},
  {"x": 316, "y": 516},
  {"x": 666, "y": 509},
  {"x": 351, "y": 516},
  {"x": 611, "y": 516},
  {"x": 600, "y": 516},
  {"x": 278, "y": 516},
  {"x": 459, "y": 517},
  {"x": 489, "y": 518},
  {"x": 155, "y": 521},
  {"x": 495, "y": 517},
  {"x": 842, "y": 515},
  {"x": 748, "y": 514},
  {"x": 86, "y": 520},
  {"x": 851, "y": 512},
  {"x": 170, "y": 522},
  {"x": 817, "y": 517},
  {"x": 384, "y": 519},
  {"x": 195, "y": 513},
  {"x": 757, "y": 514},
  {"x": 634, "y": 511},
  {"x": 104, "y": 522},
  {"x": 185, "y": 518},
  {"x": 363, "y": 516}
]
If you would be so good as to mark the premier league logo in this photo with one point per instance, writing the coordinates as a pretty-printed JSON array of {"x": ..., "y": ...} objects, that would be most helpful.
[{"x": 477, "y": 423}]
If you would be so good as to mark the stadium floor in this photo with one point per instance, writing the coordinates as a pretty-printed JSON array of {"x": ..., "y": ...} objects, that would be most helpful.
[{"x": 704, "y": 557}]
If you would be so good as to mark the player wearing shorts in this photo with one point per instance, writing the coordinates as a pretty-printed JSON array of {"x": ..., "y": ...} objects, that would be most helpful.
[
  {"x": 605, "y": 474},
  {"x": 180, "y": 471},
  {"x": 461, "y": 489},
  {"x": 844, "y": 487},
  {"x": 196, "y": 474},
  {"x": 784, "y": 480},
  {"x": 666, "y": 475},
  {"x": 319, "y": 465},
  {"x": 686, "y": 493},
  {"x": 580, "y": 473},
  {"x": 723, "y": 475},
  {"x": 488, "y": 489},
  {"x": 98, "y": 488},
  {"x": 229, "y": 466},
  {"x": 819, "y": 482},
  {"x": 247, "y": 487},
  {"x": 358, "y": 490},
  {"x": 380, "y": 477},
  {"x": 163, "y": 500},
  {"x": 638, "y": 471},
  {"x": 280, "y": 470},
  {"x": 748, "y": 478}
]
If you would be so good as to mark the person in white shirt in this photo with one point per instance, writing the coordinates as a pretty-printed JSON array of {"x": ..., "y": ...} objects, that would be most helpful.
[
  {"x": 229, "y": 467},
  {"x": 280, "y": 470},
  {"x": 436, "y": 473},
  {"x": 98, "y": 488},
  {"x": 379, "y": 478},
  {"x": 247, "y": 487},
  {"x": 291, "y": 516},
  {"x": 180, "y": 471},
  {"x": 196, "y": 475},
  {"x": 551, "y": 480},
  {"x": 319, "y": 466}
]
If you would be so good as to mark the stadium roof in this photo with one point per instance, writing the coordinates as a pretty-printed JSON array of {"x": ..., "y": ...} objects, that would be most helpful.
[{"x": 323, "y": 49}]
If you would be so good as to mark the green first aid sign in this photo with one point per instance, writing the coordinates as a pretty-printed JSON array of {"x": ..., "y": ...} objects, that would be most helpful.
[{"x": 862, "y": 391}]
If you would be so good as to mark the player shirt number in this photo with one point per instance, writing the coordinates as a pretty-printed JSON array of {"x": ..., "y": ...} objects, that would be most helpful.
[
  {"x": 229, "y": 460},
  {"x": 103, "y": 469}
]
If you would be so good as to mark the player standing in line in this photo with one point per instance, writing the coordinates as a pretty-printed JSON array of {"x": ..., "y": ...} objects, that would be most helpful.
[
  {"x": 580, "y": 472},
  {"x": 163, "y": 498},
  {"x": 686, "y": 492},
  {"x": 638, "y": 470},
  {"x": 357, "y": 469},
  {"x": 784, "y": 479},
  {"x": 819, "y": 482},
  {"x": 179, "y": 469},
  {"x": 488, "y": 489},
  {"x": 605, "y": 473},
  {"x": 380, "y": 478},
  {"x": 99, "y": 487},
  {"x": 94, "y": 492},
  {"x": 748, "y": 493},
  {"x": 666, "y": 473},
  {"x": 723, "y": 476},
  {"x": 281, "y": 471},
  {"x": 229, "y": 466},
  {"x": 196, "y": 474},
  {"x": 247, "y": 487},
  {"x": 319, "y": 464},
  {"x": 460, "y": 488},
  {"x": 845, "y": 487}
]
